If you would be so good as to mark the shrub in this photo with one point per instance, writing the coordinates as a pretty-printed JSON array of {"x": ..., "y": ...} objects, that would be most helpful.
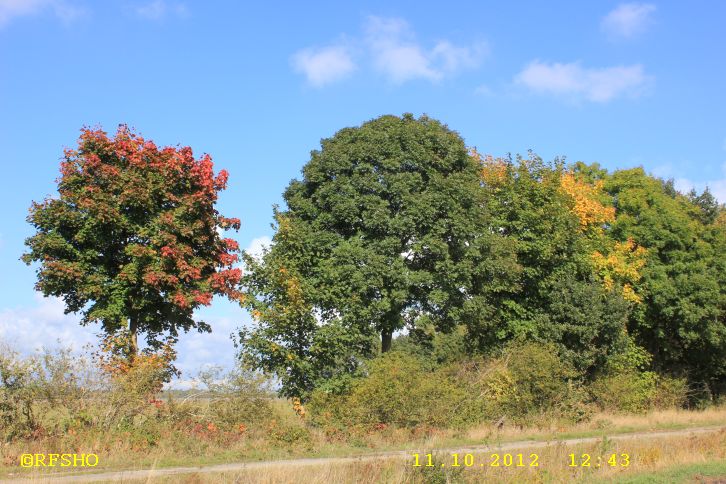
[
  {"x": 60, "y": 393},
  {"x": 239, "y": 397},
  {"x": 627, "y": 385},
  {"x": 17, "y": 393},
  {"x": 529, "y": 382},
  {"x": 489, "y": 386},
  {"x": 289, "y": 435},
  {"x": 625, "y": 390},
  {"x": 670, "y": 392},
  {"x": 141, "y": 375},
  {"x": 397, "y": 390},
  {"x": 402, "y": 390},
  {"x": 543, "y": 383},
  {"x": 67, "y": 386},
  {"x": 47, "y": 393},
  {"x": 132, "y": 382}
]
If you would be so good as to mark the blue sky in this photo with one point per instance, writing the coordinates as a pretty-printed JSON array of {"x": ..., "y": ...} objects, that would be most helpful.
[{"x": 257, "y": 85}]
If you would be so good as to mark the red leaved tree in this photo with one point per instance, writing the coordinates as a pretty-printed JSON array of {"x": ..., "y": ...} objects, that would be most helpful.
[{"x": 132, "y": 241}]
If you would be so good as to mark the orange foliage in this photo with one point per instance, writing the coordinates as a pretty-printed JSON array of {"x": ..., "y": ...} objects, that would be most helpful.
[
  {"x": 298, "y": 407},
  {"x": 115, "y": 360},
  {"x": 589, "y": 210},
  {"x": 493, "y": 171}
]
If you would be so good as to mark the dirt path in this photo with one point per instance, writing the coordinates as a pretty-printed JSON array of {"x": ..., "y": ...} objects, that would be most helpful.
[{"x": 401, "y": 454}]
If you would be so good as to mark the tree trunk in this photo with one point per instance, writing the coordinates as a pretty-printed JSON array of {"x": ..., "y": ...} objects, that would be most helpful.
[
  {"x": 386, "y": 338},
  {"x": 133, "y": 343}
]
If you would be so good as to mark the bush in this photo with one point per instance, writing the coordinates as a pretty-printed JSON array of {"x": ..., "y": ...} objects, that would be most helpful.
[
  {"x": 289, "y": 435},
  {"x": 17, "y": 393},
  {"x": 60, "y": 394},
  {"x": 401, "y": 389},
  {"x": 638, "y": 392},
  {"x": 131, "y": 383},
  {"x": 490, "y": 389},
  {"x": 239, "y": 397},
  {"x": 398, "y": 390},
  {"x": 626, "y": 385},
  {"x": 543, "y": 383},
  {"x": 627, "y": 391},
  {"x": 670, "y": 392}
]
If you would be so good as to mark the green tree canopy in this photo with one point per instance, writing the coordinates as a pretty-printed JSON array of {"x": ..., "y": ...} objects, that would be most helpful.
[
  {"x": 555, "y": 222},
  {"x": 387, "y": 229},
  {"x": 681, "y": 321}
]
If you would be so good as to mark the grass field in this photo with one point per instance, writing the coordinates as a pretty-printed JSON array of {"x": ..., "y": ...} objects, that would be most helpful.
[
  {"x": 673, "y": 458},
  {"x": 676, "y": 460},
  {"x": 167, "y": 453}
]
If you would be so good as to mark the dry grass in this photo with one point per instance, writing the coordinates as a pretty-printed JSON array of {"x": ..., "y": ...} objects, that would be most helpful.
[
  {"x": 175, "y": 449},
  {"x": 600, "y": 424},
  {"x": 665, "y": 418},
  {"x": 647, "y": 456}
]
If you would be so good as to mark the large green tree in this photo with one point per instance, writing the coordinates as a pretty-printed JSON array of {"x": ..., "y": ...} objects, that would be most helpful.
[
  {"x": 386, "y": 229},
  {"x": 555, "y": 223},
  {"x": 682, "y": 321},
  {"x": 131, "y": 240}
]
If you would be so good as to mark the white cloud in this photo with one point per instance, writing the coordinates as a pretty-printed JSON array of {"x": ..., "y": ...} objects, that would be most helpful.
[
  {"x": 718, "y": 189},
  {"x": 683, "y": 185},
  {"x": 574, "y": 81},
  {"x": 394, "y": 54},
  {"x": 717, "y": 186},
  {"x": 27, "y": 329},
  {"x": 17, "y": 8},
  {"x": 400, "y": 58},
  {"x": 160, "y": 8},
  {"x": 627, "y": 20},
  {"x": 390, "y": 45},
  {"x": 66, "y": 12},
  {"x": 454, "y": 58},
  {"x": 10, "y": 9},
  {"x": 257, "y": 246},
  {"x": 200, "y": 350},
  {"x": 324, "y": 66}
]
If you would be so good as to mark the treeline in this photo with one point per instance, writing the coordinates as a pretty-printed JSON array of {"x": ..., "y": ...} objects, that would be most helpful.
[{"x": 397, "y": 235}]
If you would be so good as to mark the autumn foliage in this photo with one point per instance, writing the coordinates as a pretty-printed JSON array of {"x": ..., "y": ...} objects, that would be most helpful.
[
  {"x": 132, "y": 241},
  {"x": 622, "y": 265},
  {"x": 145, "y": 373},
  {"x": 585, "y": 204},
  {"x": 493, "y": 171},
  {"x": 617, "y": 264},
  {"x": 394, "y": 225}
]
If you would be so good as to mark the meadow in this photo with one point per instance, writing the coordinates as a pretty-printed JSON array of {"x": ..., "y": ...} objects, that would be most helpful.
[
  {"x": 62, "y": 403},
  {"x": 417, "y": 297}
]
